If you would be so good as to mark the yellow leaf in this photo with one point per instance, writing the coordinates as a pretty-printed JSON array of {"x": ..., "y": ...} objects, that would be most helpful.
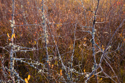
[
  {"x": 61, "y": 72},
  {"x": 121, "y": 35},
  {"x": 103, "y": 48},
  {"x": 34, "y": 43},
  {"x": 92, "y": 75},
  {"x": 84, "y": 71},
  {"x": 102, "y": 19},
  {"x": 13, "y": 36},
  {"x": 28, "y": 77},
  {"x": 9, "y": 39},
  {"x": 52, "y": 65},
  {"x": 56, "y": 63},
  {"x": 8, "y": 35},
  {"x": 26, "y": 80},
  {"x": 71, "y": 46},
  {"x": 85, "y": 38},
  {"x": 58, "y": 25},
  {"x": 84, "y": 43}
]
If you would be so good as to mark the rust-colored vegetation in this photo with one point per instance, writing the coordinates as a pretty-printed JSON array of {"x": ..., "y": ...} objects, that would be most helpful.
[{"x": 63, "y": 51}]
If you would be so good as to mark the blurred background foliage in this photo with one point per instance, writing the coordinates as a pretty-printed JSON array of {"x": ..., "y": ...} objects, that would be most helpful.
[{"x": 62, "y": 17}]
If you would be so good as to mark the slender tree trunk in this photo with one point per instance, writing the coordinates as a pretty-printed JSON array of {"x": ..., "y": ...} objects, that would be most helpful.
[
  {"x": 11, "y": 44},
  {"x": 45, "y": 36},
  {"x": 93, "y": 39}
]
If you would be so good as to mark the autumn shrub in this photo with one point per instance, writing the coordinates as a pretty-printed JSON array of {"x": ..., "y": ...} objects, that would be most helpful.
[{"x": 69, "y": 32}]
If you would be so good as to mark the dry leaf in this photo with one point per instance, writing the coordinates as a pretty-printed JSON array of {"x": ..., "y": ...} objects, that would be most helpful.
[
  {"x": 124, "y": 39},
  {"x": 28, "y": 77},
  {"x": 26, "y": 80},
  {"x": 8, "y": 35},
  {"x": 13, "y": 36},
  {"x": 84, "y": 71},
  {"x": 61, "y": 72}
]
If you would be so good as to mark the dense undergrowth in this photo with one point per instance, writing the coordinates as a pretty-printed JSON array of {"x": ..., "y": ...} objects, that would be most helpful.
[{"x": 68, "y": 39}]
